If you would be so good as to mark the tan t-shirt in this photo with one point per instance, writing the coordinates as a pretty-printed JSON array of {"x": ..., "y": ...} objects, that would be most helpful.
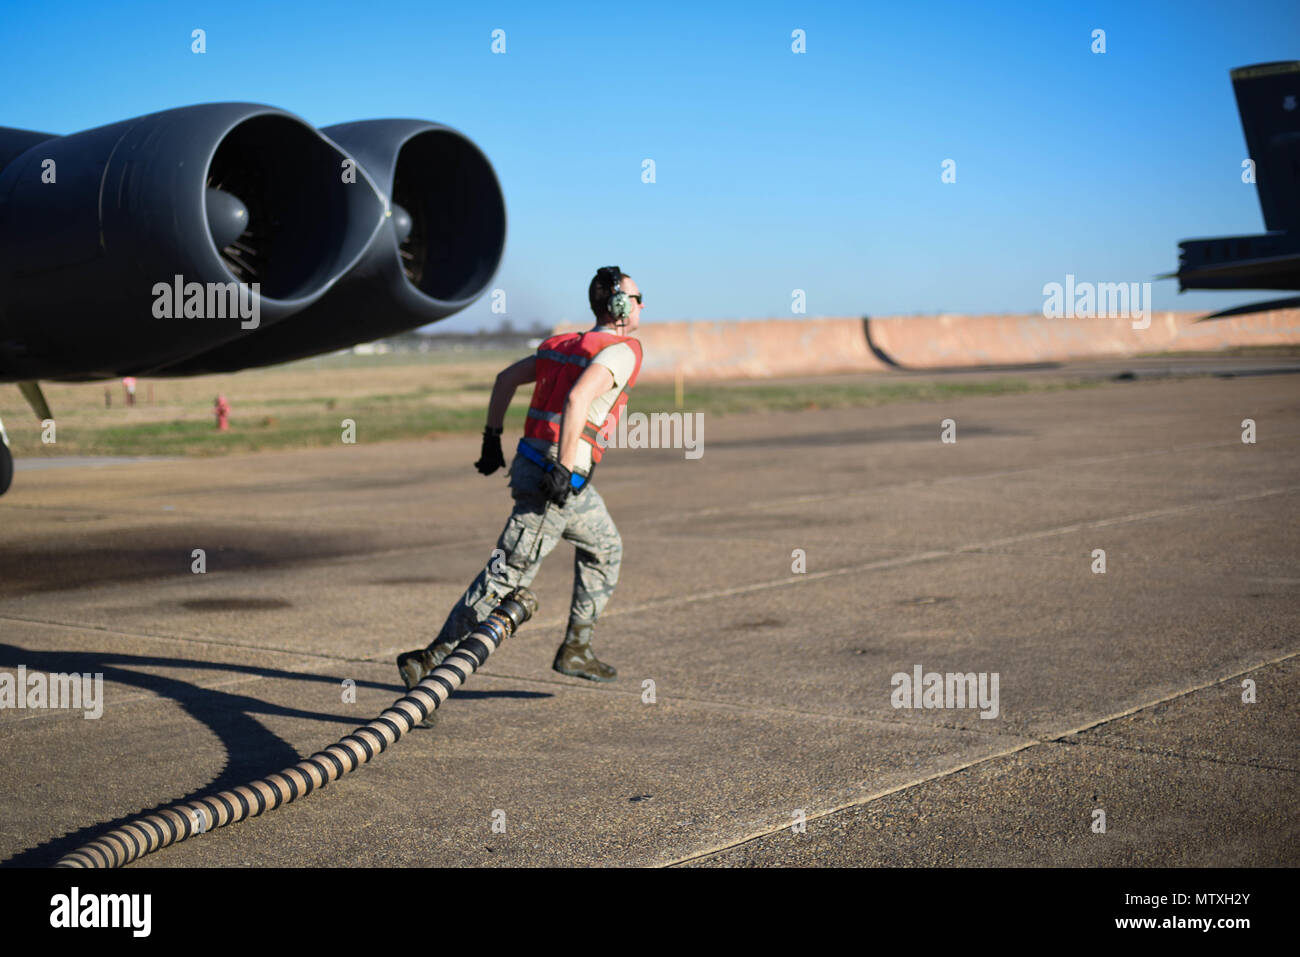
[{"x": 620, "y": 360}]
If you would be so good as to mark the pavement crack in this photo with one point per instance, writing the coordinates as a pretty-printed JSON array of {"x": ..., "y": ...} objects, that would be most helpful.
[
  {"x": 1169, "y": 697},
  {"x": 878, "y": 490},
  {"x": 938, "y": 553},
  {"x": 950, "y": 772},
  {"x": 1190, "y": 758}
]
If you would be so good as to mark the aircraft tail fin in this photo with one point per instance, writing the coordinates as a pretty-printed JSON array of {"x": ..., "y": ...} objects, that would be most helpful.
[{"x": 1268, "y": 100}]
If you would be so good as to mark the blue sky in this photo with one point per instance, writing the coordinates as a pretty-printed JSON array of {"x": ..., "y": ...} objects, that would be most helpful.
[{"x": 775, "y": 171}]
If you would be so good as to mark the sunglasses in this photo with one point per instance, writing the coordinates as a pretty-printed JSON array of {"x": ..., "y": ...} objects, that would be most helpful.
[{"x": 636, "y": 296}]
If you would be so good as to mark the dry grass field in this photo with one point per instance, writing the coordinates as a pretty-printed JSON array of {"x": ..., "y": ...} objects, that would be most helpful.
[{"x": 396, "y": 396}]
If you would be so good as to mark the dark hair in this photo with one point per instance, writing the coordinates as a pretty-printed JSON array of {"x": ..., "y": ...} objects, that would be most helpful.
[{"x": 600, "y": 290}]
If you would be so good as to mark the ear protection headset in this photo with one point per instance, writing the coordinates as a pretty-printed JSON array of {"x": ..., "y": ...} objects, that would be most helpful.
[{"x": 620, "y": 303}]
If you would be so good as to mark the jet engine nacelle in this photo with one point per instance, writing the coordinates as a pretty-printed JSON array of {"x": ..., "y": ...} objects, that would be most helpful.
[
  {"x": 436, "y": 253},
  {"x": 93, "y": 225}
]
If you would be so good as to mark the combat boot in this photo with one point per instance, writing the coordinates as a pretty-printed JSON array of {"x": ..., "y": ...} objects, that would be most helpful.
[{"x": 576, "y": 658}]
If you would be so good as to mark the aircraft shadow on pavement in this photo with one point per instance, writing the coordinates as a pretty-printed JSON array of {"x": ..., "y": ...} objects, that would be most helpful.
[
  {"x": 98, "y": 556},
  {"x": 252, "y": 750}
]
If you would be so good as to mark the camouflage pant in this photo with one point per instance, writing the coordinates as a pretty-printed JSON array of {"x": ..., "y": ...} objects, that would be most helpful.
[{"x": 535, "y": 527}]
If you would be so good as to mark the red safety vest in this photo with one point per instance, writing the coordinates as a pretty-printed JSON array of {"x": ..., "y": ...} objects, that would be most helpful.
[{"x": 560, "y": 360}]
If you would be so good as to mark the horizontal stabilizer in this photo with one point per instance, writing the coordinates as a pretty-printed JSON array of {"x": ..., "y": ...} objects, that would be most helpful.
[{"x": 1269, "y": 261}]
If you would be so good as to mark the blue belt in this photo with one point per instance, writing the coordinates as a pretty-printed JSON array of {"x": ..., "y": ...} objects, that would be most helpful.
[{"x": 576, "y": 481}]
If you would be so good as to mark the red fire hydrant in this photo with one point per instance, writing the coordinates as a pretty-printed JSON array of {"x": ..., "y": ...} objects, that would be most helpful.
[{"x": 222, "y": 409}]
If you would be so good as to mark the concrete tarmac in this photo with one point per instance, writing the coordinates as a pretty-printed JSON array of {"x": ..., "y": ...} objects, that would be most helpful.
[{"x": 771, "y": 591}]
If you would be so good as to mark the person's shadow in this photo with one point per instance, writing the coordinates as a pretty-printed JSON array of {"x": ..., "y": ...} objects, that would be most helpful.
[{"x": 252, "y": 750}]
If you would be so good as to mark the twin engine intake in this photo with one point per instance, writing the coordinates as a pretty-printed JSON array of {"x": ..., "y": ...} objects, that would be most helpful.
[{"x": 223, "y": 236}]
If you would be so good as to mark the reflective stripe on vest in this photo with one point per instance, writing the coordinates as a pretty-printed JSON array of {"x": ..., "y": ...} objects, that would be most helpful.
[
  {"x": 564, "y": 357},
  {"x": 561, "y": 359}
]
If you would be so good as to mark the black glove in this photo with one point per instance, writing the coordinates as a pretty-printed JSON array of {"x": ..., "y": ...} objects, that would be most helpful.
[
  {"x": 555, "y": 484},
  {"x": 491, "y": 459}
]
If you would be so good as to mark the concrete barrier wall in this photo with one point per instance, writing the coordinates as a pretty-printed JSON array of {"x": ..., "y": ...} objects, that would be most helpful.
[
  {"x": 724, "y": 349},
  {"x": 752, "y": 348},
  {"x": 945, "y": 341}
]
